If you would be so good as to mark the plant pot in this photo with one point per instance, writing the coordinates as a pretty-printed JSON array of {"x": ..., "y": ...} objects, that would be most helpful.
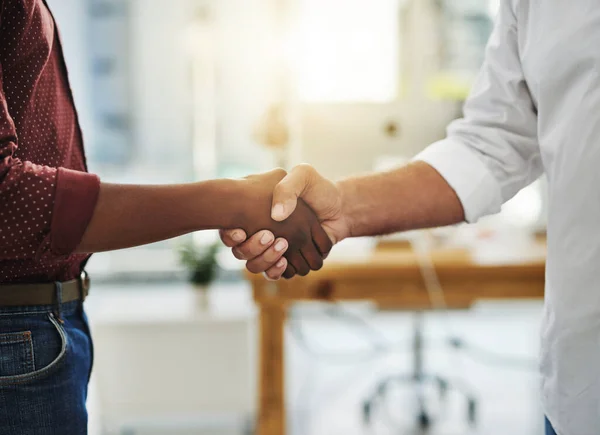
[{"x": 201, "y": 293}]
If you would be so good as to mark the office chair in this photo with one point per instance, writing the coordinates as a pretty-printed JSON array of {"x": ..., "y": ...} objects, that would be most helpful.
[{"x": 419, "y": 379}]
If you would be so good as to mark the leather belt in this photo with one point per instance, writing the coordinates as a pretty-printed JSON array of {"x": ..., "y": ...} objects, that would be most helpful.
[{"x": 22, "y": 295}]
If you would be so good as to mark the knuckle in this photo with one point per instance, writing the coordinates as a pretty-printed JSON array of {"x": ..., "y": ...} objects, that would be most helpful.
[
  {"x": 226, "y": 239},
  {"x": 241, "y": 253},
  {"x": 272, "y": 275},
  {"x": 252, "y": 248},
  {"x": 306, "y": 170},
  {"x": 303, "y": 269},
  {"x": 304, "y": 167},
  {"x": 227, "y": 242},
  {"x": 230, "y": 243},
  {"x": 253, "y": 267},
  {"x": 280, "y": 172}
]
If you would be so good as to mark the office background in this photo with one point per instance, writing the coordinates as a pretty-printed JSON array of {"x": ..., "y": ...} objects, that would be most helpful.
[{"x": 182, "y": 90}]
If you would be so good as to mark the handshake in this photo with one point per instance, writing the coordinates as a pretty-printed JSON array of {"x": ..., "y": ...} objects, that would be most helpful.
[
  {"x": 281, "y": 224},
  {"x": 288, "y": 223}
]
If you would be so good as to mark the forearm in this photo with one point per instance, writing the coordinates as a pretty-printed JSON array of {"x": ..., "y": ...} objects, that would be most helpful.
[
  {"x": 130, "y": 215},
  {"x": 412, "y": 197}
]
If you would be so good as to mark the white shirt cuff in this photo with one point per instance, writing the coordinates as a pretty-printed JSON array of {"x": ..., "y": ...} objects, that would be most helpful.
[{"x": 478, "y": 190}]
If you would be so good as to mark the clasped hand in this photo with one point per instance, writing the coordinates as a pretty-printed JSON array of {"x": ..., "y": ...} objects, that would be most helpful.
[
  {"x": 307, "y": 242},
  {"x": 293, "y": 209}
]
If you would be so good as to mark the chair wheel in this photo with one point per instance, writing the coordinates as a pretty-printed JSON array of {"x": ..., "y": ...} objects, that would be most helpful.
[
  {"x": 472, "y": 411},
  {"x": 443, "y": 387},
  {"x": 424, "y": 420},
  {"x": 367, "y": 407}
]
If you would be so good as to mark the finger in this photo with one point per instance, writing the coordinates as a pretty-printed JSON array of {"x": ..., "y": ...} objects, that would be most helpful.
[
  {"x": 231, "y": 238},
  {"x": 254, "y": 246},
  {"x": 268, "y": 258},
  {"x": 289, "y": 189},
  {"x": 296, "y": 259},
  {"x": 290, "y": 271},
  {"x": 275, "y": 272},
  {"x": 312, "y": 256},
  {"x": 321, "y": 239}
]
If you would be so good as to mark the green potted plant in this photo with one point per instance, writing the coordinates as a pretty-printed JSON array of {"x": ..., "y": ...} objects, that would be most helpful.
[{"x": 201, "y": 264}]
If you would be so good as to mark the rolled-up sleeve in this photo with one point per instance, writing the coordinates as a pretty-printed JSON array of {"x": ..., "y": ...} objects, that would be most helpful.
[
  {"x": 74, "y": 204},
  {"x": 493, "y": 152}
]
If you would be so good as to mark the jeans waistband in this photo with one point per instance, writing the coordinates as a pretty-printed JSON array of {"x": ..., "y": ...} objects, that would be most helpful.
[{"x": 66, "y": 309}]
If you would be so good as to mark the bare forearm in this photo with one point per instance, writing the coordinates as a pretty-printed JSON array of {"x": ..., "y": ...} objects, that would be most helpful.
[
  {"x": 130, "y": 215},
  {"x": 412, "y": 197}
]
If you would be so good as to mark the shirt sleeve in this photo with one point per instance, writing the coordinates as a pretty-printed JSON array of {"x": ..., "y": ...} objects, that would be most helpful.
[
  {"x": 493, "y": 152},
  {"x": 43, "y": 210}
]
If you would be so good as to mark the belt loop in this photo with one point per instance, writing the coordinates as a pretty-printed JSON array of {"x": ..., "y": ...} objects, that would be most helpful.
[
  {"x": 81, "y": 281},
  {"x": 58, "y": 300}
]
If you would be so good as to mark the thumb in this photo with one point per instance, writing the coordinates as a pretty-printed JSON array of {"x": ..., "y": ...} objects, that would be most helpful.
[{"x": 288, "y": 190}]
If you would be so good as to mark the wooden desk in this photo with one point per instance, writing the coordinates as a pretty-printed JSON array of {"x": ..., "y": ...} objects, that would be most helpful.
[{"x": 391, "y": 278}]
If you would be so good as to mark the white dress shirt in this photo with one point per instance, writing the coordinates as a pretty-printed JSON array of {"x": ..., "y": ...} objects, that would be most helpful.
[{"x": 535, "y": 107}]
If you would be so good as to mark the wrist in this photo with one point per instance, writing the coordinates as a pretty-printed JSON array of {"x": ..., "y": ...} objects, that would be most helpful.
[
  {"x": 217, "y": 203},
  {"x": 347, "y": 192}
]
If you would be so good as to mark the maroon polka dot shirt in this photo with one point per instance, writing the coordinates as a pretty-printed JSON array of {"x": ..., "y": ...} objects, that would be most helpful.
[{"x": 46, "y": 197}]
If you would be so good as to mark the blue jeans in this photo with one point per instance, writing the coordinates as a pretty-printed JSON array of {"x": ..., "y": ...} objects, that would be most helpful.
[
  {"x": 549, "y": 428},
  {"x": 45, "y": 362}
]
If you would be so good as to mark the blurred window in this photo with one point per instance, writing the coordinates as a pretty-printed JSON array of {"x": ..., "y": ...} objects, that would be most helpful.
[
  {"x": 347, "y": 50},
  {"x": 466, "y": 28}
]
